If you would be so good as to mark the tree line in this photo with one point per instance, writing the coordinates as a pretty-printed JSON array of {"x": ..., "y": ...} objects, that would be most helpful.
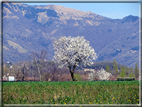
[
  {"x": 49, "y": 69},
  {"x": 39, "y": 69},
  {"x": 123, "y": 71}
]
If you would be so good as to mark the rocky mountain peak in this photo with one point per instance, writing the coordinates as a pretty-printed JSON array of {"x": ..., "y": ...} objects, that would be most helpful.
[{"x": 130, "y": 19}]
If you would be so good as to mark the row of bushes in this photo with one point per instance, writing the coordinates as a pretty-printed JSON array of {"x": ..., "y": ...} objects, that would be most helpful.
[{"x": 63, "y": 77}]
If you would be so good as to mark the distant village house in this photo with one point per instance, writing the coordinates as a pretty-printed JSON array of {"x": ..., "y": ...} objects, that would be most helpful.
[
  {"x": 89, "y": 70},
  {"x": 8, "y": 78}
]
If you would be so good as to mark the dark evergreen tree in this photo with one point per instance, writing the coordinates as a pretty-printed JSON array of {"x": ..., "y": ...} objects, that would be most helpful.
[
  {"x": 136, "y": 71},
  {"x": 122, "y": 74},
  {"x": 115, "y": 67},
  {"x": 108, "y": 69},
  {"x": 127, "y": 71},
  {"x": 131, "y": 70}
]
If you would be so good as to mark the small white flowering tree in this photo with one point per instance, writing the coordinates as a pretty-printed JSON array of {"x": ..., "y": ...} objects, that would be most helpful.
[
  {"x": 72, "y": 51},
  {"x": 91, "y": 76},
  {"x": 99, "y": 75}
]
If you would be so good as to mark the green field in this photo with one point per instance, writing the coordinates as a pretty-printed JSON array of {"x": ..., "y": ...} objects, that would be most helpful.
[{"x": 71, "y": 92}]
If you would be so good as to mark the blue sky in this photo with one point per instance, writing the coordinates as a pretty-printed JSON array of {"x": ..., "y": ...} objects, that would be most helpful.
[{"x": 110, "y": 10}]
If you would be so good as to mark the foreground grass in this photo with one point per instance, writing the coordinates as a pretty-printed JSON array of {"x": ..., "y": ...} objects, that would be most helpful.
[{"x": 73, "y": 92}]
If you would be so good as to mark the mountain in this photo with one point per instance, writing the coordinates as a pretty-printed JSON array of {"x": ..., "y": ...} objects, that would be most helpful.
[{"x": 28, "y": 29}]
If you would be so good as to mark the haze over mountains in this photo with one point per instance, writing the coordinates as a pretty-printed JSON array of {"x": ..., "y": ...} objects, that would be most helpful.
[{"x": 31, "y": 28}]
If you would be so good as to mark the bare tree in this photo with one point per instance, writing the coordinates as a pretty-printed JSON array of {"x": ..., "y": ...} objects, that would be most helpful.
[
  {"x": 23, "y": 72},
  {"x": 39, "y": 59},
  {"x": 72, "y": 51},
  {"x": 20, "y": 69}
]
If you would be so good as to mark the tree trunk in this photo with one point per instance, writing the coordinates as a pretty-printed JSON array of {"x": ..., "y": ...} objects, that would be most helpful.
[
  {"x": 23, "y": 78},
  {"x": 38, "y": 70},
  {"x": 39, "y": 74},
  {"x": 72, "y": 76},
  {"x": 23, "y": 71},
  {"x": 72, "y": 72}
]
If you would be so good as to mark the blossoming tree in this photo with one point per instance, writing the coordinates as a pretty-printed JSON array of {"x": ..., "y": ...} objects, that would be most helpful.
[
  {"x": 99, "y": 75},
  {"x": 70, "y": 51}
]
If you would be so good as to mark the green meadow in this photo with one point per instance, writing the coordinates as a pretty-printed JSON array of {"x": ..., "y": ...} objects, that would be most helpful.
[{"x": 71, "y": 92}]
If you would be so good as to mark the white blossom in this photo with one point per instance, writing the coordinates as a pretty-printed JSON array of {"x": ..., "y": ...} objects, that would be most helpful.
[
  {"x": 99, "y": 75},
  {"x": 71, "y": 51}
]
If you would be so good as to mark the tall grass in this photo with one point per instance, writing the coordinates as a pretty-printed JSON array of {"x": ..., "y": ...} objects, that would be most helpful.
[{"x": 73, "y": 92}]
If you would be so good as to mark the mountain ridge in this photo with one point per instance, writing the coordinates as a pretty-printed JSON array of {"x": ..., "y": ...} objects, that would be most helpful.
[{"x": 36, "y": 27}]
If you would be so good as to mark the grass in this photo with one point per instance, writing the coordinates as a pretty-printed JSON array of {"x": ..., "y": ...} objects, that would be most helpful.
[{"x": 73, "y": 92}]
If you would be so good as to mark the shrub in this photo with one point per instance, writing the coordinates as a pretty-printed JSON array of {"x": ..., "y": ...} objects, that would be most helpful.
[
  {"x": 131, "y": 75},
  {"x": 65, "y": 77},
  {"x": 46, "y": 76},
  {"x": 78, "y": 77}
]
